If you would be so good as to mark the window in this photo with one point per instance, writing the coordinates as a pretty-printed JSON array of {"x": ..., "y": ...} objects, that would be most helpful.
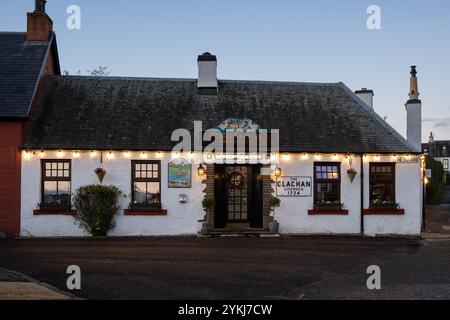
[
  {"x": 56, "y": 184},
  {"x": 382, "y": 184},
  {"x": 146, "y": 185},
  {"x": 445, "y": 164},
  {"x": 327, "y": 184}
]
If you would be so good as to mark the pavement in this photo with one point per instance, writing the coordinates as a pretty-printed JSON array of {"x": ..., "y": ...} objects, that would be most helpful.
[
  {"x": 236, "y": 268},
  {"x": 17, "y": 286}
]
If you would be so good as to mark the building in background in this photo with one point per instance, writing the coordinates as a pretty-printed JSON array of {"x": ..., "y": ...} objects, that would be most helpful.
[{"x": 440, "y": 151}]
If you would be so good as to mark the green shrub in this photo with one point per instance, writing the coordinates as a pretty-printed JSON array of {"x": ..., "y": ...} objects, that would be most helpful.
[
  {"x": 274, "y": 202},
  {"x": 435, "y": 187},
  {"x": 208, "y": 203},
  {"x": 96, "y": 206}
]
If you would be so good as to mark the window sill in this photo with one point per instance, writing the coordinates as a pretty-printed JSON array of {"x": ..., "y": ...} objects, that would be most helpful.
[
  {"x": 384, "y": 212},
  {"x": 128, "y": 212},
  {"x": 54, "y": 212},
  {"x": 320, "y": 212}
]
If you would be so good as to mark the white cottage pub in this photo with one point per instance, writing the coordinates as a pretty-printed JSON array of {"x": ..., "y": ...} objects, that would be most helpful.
[{"x": 337, "y": 167}]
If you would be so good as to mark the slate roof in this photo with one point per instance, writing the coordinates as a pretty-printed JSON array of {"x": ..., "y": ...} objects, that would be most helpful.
[
  {"x": 107, "y": 113},
  {"x": 437, "y": 149},
  {"x": 21, "y": 63}
]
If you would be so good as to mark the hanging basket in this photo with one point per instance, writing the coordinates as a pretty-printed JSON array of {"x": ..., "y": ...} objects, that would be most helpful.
[
  {"x": 100, "y": 172},
  {"x": 351, "y": 174}
]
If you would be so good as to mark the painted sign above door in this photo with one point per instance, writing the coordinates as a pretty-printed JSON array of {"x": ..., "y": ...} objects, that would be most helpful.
[{"x": 294, "y": 187}]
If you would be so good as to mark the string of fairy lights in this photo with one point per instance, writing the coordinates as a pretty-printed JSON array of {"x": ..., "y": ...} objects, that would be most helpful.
[
  {"x": 274, "y": 157},
  {"x": 286, "y": 157}
]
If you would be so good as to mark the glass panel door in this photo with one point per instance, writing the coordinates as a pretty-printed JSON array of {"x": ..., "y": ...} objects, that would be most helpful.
[{"x": 238, "y": 193}]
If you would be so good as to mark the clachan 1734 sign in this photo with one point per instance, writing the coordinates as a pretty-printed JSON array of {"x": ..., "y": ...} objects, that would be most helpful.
[{"x": 294, "y": 187}]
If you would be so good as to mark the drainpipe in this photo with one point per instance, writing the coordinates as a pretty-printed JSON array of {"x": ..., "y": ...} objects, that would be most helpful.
[{"x": 362, "y": 193}]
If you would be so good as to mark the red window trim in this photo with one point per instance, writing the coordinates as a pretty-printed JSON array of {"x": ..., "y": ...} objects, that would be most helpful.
[
  {"x": 62, "y": 212},
  {"x": 128, "y": 212},
  {"x": 384, "y": 212},
  {"x": 315, "y": 212}
]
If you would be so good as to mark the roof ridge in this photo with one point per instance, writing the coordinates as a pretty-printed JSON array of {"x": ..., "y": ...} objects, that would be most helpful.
[
  {"x": 194, "y": 79},
  {"x": 377, "y": 117}
]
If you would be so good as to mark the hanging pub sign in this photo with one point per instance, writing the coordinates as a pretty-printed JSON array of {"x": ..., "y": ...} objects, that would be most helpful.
[
  {"x": 179, "y": 174},
  {"x": 294, "y": 186}
]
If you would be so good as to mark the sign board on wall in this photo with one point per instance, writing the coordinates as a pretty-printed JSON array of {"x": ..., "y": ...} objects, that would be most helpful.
[
  {"x": 407, "y": 159},
  {"x": 294, "y": 187},
  {"x": 179, "y": 175}
]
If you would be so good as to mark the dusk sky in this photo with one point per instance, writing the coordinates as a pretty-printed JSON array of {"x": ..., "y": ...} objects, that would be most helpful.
[{"x": 305, "y": 41}]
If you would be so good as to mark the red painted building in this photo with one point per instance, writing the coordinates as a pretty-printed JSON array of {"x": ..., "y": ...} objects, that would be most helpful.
[{"x": 25, "y": 60}]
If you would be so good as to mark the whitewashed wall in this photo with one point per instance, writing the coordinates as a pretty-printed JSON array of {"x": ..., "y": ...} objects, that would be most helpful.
[
  {"x": 182, "y": 219},
  {"x": 293, "y": 212},
  {"x": 408, "y": 193}
]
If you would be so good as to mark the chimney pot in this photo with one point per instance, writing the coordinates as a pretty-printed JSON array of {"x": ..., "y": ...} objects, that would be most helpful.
[
  {"x": 366, "y": 95},
  {"x": 39, "y": 24},
  {"x": 414, "y": 113},
  {"x": 207, "y": 82}
]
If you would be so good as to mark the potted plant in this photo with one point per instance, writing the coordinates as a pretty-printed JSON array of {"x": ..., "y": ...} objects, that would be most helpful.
[
  {"x": 351, "y": 174},
  {"x": 100, "y": 172},
  {"x": 381, "y": 205},
  {"x": 328, "y": 206},
  {"x": 274, "y": 225},
  {"x": 208, "y": 204}
]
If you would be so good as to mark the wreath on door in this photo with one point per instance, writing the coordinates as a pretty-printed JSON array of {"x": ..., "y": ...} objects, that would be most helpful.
[{"x": 236, "y": 180}]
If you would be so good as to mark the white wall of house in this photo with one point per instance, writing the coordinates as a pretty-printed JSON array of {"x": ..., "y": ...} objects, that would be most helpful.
[
  {"x": 408, "y": 193},
  {"x": 445, "y": 160},
  {"x": 182, "y": 219},
  {"x": 293, "y": 212}
]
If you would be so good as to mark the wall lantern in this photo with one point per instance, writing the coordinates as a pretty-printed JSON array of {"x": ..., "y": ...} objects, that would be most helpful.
[
  {"x": 201, "y": 170},
  {"x": 277, "y": 172}
]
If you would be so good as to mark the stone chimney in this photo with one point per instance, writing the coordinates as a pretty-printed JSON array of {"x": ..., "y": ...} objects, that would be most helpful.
[
  {"x": 39, "y": 24},
  {"x": 414, "y": 113},
  {"x": 366, "y": 95},
  {"x": 207, "y": 74}
]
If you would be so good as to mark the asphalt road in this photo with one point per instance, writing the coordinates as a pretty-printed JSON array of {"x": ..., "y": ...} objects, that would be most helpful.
[{"x": 236, "y": 268}]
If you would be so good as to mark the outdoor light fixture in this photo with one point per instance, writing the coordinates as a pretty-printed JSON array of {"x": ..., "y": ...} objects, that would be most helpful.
[
  {"x": 126, "y": 154},
  {"x": 93, "y": 154},
  {"x": 76, "y": 154},
  {"x": 286, "y": 157},
  {"x": 27, "y": 155},
  {"x": 110, "y": 155},
  {"x": 60, "y": 154},
  {"x": 182, "y": 198},
  {"x": 305, "y": 156},
  {"x": 41, "y": 154},
  {"x": 201, "y": 170},
  {"x": 317, "y": 156},
  {"x": 277, "y": 172},
  {"x": 143, "y": 155},
  {"x": 159, "y": 154}
]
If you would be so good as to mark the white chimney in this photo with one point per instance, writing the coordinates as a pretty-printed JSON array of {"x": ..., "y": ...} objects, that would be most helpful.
[
  {"x": 414, "y": 113},
  {"x": 366, "y": 96},
  {"x": 207, "y": 74}
]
